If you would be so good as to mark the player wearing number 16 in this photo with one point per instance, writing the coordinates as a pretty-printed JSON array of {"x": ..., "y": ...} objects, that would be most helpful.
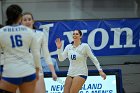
[{"x": 20, "y": 66}]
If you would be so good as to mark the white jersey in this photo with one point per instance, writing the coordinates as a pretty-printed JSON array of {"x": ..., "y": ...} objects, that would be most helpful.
[
  {"x": 43, "y": 46},
  {"x": 15, "y": 42},
  {"x": 77, "y": 57}
]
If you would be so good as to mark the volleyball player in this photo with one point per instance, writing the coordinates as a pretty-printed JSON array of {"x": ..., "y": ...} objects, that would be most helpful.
[
  {"x": 28, "y": 20},
  {"x": 77, "y": 53},
  {"x": 20, "y": 67}
]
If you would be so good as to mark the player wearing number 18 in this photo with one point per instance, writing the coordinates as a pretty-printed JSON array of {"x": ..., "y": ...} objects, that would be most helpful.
[
  {"x": 20, "y": 67},
  {"x": 77, "y": 53}
]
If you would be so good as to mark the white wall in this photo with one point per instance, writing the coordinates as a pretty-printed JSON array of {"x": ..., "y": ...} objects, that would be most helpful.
[{"x": 76, "y": 9}]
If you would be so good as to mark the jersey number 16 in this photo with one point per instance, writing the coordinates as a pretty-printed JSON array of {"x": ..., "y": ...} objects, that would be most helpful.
[{"x": 16, "y": 40}]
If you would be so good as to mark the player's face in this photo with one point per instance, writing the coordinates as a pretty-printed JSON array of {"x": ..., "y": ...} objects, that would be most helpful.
[
  {"x": 76, "y": 35},
  {"x": 27, "y": 20}
]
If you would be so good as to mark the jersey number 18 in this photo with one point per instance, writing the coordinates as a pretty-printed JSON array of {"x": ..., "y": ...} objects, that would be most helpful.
[{"x": 73, "y": 57}]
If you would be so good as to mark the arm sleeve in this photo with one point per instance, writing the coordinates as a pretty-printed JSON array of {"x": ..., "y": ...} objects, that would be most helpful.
[
  {"x": 45, "y": 50},
  {"x": 55, "y": 64},
  {"x": 92, "y": 57},
  {"x": 35, "y": 51},
  {"x": 62, "y": 55}
]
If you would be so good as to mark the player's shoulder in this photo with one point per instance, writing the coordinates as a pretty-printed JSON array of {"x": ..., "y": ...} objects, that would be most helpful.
[
  {"x": 16, "y": 28},
  {"x": 84, "y": 44},
  {"x": 25, "y": 27},
  {"x": 28, "y": 30},
  {"x": 69, "y": 45},
  {"x": 4, "y": 27}
]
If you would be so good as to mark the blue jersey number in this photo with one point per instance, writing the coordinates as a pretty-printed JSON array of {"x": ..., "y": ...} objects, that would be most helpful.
[
  {"x": 73, "y": 57},
  {"x": 16, "y": 40}
]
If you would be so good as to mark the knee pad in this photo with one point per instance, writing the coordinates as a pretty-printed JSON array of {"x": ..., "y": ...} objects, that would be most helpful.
[{"x": 4, "y": 91}]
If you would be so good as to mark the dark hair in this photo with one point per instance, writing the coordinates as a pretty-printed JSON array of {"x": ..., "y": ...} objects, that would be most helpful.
[
  {"x": 80, "y": 32},
  {"x": 13, "y": 13},
  {"x": 72, "y": 42},
  {"x": 1, "y": 26},
  {"x": 28, "y": 13}
]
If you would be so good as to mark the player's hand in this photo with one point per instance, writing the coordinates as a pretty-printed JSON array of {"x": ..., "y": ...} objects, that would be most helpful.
[
  {"x": 102, "y": 74},
  {"x": 58, "y": 43},
  {"x": 54, "y": 76}
]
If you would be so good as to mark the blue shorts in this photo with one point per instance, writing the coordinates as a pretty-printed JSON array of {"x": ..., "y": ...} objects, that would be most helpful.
[
  {"x": 83, "y": 76},
  {"x": 21, "y": 80}
]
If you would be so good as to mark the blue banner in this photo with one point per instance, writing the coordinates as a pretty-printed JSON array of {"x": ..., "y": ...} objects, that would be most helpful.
[{"x": 105, "y": 37}]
